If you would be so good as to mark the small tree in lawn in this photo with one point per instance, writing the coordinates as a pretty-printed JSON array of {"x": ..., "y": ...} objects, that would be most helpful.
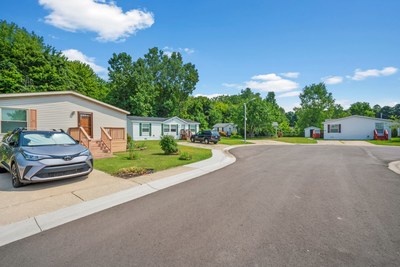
[{"x": 168, "y": 144}]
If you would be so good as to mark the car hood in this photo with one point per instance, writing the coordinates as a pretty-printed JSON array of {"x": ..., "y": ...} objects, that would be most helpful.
[{"x": 57, "y": 150}]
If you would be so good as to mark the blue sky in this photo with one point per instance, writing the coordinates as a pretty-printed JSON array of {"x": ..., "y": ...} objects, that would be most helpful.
[{"x": 281, "y": 46}]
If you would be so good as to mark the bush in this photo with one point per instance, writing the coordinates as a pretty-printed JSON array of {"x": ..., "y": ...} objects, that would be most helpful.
[
  {"x": 128, "y": 140},
  {"x": 132, "y": 154},
  {"x": 185, "y": 156},
  {"x": 168, "y": 144},
  {"x": 236, "y": 136}
]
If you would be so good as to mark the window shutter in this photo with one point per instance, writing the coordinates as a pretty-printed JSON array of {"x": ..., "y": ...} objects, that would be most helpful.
[
  {"x": 150, "y": 129},
  {"x": 329, "y": 128},
  {"x": 340, "y": 128},
  {"x": 140, "y": 129},
  {"x": 177, "y": 130},
  {"x": 162, "y": 129},
  {"x": 32, "y": 119}
]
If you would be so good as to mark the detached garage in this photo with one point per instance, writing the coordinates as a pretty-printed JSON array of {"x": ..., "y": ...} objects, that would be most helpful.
[{"x": 357, "y": 128}]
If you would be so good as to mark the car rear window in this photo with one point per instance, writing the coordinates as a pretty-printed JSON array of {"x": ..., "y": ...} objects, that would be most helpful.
[
  {"x": 46, "y": 139},
  {"x": 215, "y": 133}
]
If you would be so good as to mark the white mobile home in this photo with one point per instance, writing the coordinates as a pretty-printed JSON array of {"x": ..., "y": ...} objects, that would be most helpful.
[
  {"x": 357, "y": 128},
  {"x": 88, "y": 120},
  {"x": 153, "y": 128},
  {"x": 227, "y": 128}
]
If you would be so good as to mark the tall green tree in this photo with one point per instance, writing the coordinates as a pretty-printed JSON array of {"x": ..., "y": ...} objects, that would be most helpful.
[
  {"x": 362, "y": 109},
  {"x": 316, "y": 105}
]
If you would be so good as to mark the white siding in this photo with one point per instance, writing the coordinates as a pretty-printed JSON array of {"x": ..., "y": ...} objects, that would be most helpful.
[
  {"x": 354, "y": 128},
  {"x": 60, "y": 112},
  {"x": 156, "y": 129}
]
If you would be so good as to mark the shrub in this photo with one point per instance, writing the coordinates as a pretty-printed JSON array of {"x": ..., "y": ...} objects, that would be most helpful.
[
  {"x": 132, "y": 154},
  {"x": 133, "y": 172},
  {"x": 168, "y": 144},
  {"x": 236, "y": 136},
  {"x": 185, "y": 156}
]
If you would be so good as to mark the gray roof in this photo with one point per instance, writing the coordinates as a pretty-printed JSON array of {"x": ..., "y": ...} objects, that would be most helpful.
[
  {"x": 356, "y": 116},
  {"x": 140, "y": 118},
  {"x": 223, "y": 124},
  {"x": 157, "y": 119}
]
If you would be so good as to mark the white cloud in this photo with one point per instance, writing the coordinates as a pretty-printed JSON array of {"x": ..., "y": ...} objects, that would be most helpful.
[
  {"x": 208, "y": 96},
  {"x": 332, "y": 79},
  {"x": 109, "y": 21},
  {"x": 73, "y": 54},
  {"x": 345, "y": 103},
  {"x": 271, "y": 83},
  {"x": 363, "y": 74},
  {"x": 233, "y": 85},
  {"x": 169, "y": 50},
  {"x": 292, "y": 75},
  {"x": 289, "y": 94}
]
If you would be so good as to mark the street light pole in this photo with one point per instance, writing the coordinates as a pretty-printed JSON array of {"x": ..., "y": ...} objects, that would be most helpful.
[{"x": 245, "y": 118}]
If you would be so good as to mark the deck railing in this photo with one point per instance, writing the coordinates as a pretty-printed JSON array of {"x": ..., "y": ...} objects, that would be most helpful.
[
  {"x": 116, "y": 133},
  {"x": 106, "y": 139},
  {"x": 79, "y": 134}
]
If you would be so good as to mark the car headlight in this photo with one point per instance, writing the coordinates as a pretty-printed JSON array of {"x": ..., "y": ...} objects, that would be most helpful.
[
  {"x": 85, "y": 153},
  {"x": 30, "y": 156}
]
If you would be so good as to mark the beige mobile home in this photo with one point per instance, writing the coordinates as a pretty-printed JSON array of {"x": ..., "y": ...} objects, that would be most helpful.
[{"x": 97, "y": 125}]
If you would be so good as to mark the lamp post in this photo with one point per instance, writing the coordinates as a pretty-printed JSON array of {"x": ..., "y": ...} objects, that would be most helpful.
[{"x": 245, "y": 118}]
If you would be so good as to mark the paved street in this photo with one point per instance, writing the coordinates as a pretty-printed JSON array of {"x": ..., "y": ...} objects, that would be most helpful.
[{"x": 276, "y": 206}]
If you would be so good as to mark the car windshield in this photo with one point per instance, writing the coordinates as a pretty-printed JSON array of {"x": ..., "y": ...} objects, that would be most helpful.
[{"x": 46, "y": 139}]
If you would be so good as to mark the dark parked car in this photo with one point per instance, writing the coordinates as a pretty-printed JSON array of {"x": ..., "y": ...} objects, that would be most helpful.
[
  {"x": 206, "y": 136},
  {"x": 39, "y": 156}
]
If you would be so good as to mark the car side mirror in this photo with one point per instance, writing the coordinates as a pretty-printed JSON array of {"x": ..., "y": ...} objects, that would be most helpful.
[{"x": 12, "y": 143}]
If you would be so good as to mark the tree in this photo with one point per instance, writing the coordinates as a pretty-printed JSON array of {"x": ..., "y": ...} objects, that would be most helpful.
[
  {"x": 291, "y": 117},
  {"x": 362, "y": 109},
  {"x": 317, "y": 104}
]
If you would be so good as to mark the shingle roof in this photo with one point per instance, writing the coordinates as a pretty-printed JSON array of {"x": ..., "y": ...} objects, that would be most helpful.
[
  {"x": 158, "y": 119},
  {"x": 139, "y": 118}
]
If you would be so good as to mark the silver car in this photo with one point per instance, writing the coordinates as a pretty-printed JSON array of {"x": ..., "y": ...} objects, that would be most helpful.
[{"x": 40, "y": 156}]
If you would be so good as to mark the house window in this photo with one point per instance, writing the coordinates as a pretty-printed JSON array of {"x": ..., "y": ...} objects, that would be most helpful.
[
  {"x": 192, "y": 128},
  {"x": 146, "y": 128},
  {"x": 334, "y": 128},
  {"x": 166, "y": 128},
  {"x": 12, "y": 118},
  {"x": 174, "y": 128}
]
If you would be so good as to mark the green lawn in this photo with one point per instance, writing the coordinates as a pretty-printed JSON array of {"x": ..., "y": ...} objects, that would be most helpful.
[
  {"x": 231, "y": 141},
  {"x": 152, "y": 157},
  {"x": 394, "y": 142}
]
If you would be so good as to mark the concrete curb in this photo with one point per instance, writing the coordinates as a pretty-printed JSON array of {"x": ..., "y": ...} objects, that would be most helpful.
[
  {"x": 395, "y": 166},
  {"x": 19, "y": 230}
]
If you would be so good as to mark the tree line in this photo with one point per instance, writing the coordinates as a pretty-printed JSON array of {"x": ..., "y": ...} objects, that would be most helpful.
[{"x": 161, "y": 85}]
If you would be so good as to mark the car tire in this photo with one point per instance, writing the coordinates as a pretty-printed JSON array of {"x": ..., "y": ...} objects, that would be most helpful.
[
  {"x": 192, "y": 140},
  {"x": 206, "y": 141},
  {"x": 15, "y": 176},
  {"x": 215, "y": 143}
]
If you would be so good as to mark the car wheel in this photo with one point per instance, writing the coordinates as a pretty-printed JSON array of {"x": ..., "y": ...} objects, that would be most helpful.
[
  {"x": 215, "y": 143},
  {"x": 15, "y": 176},
  {"x": 206, "y": 141},
  {"x": 192, "y": 140}
]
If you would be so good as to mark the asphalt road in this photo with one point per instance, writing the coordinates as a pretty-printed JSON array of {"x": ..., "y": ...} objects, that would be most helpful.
[{"x": 276, "y": 206}]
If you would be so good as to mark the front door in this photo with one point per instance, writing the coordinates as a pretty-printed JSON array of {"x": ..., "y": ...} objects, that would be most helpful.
[{"x": 85, "y": 120}]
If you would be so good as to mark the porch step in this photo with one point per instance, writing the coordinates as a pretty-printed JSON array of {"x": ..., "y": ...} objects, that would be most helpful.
[{"x": 99, "y": 151}]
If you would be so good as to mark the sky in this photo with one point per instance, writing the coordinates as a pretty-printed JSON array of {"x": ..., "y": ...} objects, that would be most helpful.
[{"x": 282, "y": 46}]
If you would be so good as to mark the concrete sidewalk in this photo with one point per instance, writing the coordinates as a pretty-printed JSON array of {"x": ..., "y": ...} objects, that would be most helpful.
[{"x": 35, "y": 208}]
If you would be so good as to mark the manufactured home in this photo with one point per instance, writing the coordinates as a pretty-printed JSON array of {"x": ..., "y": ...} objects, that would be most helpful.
[
  {"x": 97, "y": 125},
  {"x": 227, "y": 128},
  {"x": 357, "y": 128},
  {"x": 153, "y": 128}
]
